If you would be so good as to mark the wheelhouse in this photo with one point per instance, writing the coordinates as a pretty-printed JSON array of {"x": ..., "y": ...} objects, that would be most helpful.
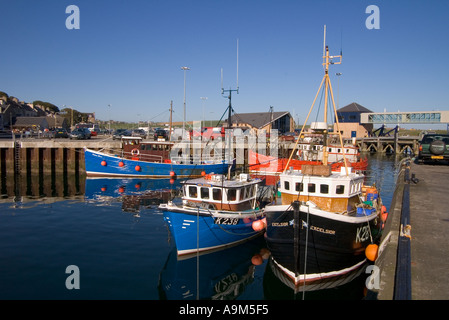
[
  {"x": 213, "y": 191},
  {"x": 336, "y": 192}
]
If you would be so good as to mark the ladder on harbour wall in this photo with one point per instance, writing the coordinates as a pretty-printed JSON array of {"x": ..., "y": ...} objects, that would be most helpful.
[{"x": 17, "y": 150}]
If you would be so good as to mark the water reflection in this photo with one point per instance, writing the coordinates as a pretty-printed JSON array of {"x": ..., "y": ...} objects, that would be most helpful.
[
  {"x": 220, "y": 275},
  {"x": 226, "y": 274},
  {"x": 53, "y": 187},
  {"x": 134, "y": 193},
  {"x": 350, "y": 286}
]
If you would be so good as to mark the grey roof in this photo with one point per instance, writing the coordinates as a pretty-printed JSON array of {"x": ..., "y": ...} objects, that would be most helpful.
[
  {"x": 354, "y": 107},
  {"x": 257, "y": 119},
  {"x": 31, "y": 121},
  {"x": 55, "y": 121}
]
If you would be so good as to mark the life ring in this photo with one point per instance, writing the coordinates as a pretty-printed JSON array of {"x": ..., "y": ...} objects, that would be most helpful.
[{"x": 135, "y": 152}]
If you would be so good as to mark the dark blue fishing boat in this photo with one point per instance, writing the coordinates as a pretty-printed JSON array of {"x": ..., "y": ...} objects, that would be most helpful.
[{"x": 150, "y": 159}]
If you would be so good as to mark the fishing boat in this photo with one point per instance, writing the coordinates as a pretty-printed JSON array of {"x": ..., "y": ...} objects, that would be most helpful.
[
  {"x": 150, "y": 159},
  {"x": 325, "y": 220},
  {"x": 215, "y": 212},
  {"x": 309, "y": 152}
]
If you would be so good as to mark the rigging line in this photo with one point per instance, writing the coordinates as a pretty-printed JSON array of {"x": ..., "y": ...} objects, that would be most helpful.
[
  {"x": 319, "y": 104},
  {"x": 198, "y": 254},
  {"x": 159, "y": 114}
]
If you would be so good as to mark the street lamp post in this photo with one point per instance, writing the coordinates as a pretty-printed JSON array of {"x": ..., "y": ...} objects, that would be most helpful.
[
  {"x": 184, "y": 120},
  {"x": 109, "y": 129}
]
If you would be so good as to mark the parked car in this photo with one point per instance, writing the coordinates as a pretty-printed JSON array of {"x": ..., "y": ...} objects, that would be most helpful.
[
  {"x": 434, "y": 147},
  {"x": 160, "y": 135},
  {"x": 49, "y": 134},
  {"x": 61, "y": 133},
  {"x": 119, "y": 133},
  {"x": 139, "y": 133},
  {"x": 80, "y": 133}
]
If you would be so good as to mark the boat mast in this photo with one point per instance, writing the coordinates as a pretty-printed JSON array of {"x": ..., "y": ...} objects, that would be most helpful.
[
  {"x": 230, "y": 108},
  {"x": 171, "y": 110},
  {"x": 327, "y": 60}
]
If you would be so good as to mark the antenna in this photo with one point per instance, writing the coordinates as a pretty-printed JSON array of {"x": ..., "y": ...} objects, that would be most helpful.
[
  {"x": 237, "y": 89},
  {"x": 230, "y": 104},
  {"x": 324, "y": 42},
  {"x": 237, "y": 65}
]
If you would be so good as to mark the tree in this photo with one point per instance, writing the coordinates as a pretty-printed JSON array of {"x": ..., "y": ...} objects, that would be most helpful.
[
  {"x": 47, "y": 105},
  {"x": 67, "y": 113}
]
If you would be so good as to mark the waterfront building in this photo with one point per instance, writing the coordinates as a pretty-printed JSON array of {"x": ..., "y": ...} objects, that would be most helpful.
[{"x": 349, "y": 121}]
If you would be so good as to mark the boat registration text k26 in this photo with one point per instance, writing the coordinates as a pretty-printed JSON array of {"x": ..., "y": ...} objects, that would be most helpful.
[{"x": 228, "y": 221}]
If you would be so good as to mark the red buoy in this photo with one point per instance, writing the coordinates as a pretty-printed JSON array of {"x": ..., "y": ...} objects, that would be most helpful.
[
  {"x": 258, "y": 225},
  {"x": 203, "y": 173},
  {"x": 121, "y": 164},
  {"x": 103, "y": 163},
  {"x": 172, "y": 173},
  {"x": 137, "y": 168},
  {"x": 257, "y": 260}
]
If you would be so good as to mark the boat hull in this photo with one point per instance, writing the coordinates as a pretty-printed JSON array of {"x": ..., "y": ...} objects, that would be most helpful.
[
  {"x": 99, "y": 164},
  {"x": 198, "y": 230},
  {"x": 323, "y": 245}
]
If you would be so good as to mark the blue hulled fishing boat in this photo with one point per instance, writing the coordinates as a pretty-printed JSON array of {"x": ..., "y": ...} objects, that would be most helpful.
[
  {"x": 149, "y": 159},
  {"x": 216, "y": 212}
]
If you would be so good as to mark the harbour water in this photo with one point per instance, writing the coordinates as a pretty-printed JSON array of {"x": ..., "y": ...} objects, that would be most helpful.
[{"x": 111, "y": 232}]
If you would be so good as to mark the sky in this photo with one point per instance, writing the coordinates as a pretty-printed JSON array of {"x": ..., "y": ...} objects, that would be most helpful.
[{"x": 124, "y": 62}]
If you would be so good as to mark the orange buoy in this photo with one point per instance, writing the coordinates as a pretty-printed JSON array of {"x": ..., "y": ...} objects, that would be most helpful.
[
  {"x": 258, "y": 225},
  {"x": 121, "y": 164},
  {"x": 103, "y": 189},
  {"x": 203, "y": 173},
  {"x": 257, "y": 260},
  {"x": 172, "y": 173},
  {"x": 371, "y": 252},
  {"x": 383, "y": 213},
  {"x": 121, "y": 189},
  {"x": 137, "y": 168},
  {"x": 103, "y": 163}
]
